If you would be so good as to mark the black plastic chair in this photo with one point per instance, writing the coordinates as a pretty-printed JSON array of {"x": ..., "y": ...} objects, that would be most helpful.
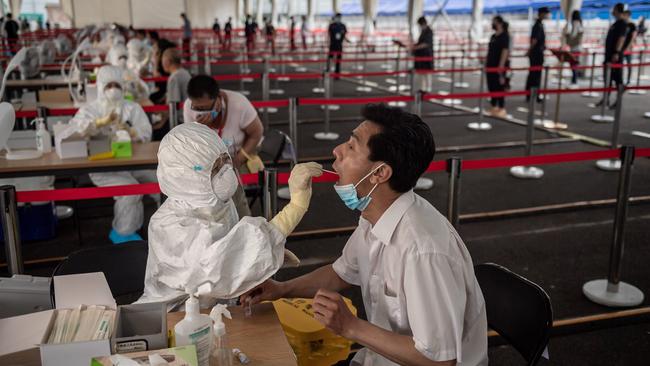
[
  {"x": 123, "y": 265},
  {"x": 518, "y": 309}
]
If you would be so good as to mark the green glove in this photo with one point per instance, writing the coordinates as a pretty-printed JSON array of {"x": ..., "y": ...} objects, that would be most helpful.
[{"x": 300, "y": 188}]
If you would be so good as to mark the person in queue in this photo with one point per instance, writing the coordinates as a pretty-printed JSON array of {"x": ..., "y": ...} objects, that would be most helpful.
[
  {"x": 498, "y": 56},
  {"x": 234, "y": 118},
  {"x": 535, "y": 52},
  {"x": 423, "y": 302},
  {"x": 573, "y": 33},
  {"x": 337, "y": 32},
  {"x": 423, "y": 48},
  {"x": 216, "y": 29},
  {"x": 197, "y": 236},
  {"x": 159, "y": 47},
  {"x": 269, "y": 31},
  {"x": 227, "y": 34},
  {"x": 187, "y": 35},
  {"x": 106, "y": 115},
  {"x": 630, "y": 38},
  {"x": 614, "y": 43}
]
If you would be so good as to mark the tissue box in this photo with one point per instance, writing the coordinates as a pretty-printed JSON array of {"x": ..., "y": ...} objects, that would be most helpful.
[
  {"x": 122, "y": 149},
  {"x": 74, "y": 146},
  {"x": 23, "y": 336},
  {"x": 99, "y": 144},
  {"x": 178, "y": 356},
  {"x": 140, "y": 327}
]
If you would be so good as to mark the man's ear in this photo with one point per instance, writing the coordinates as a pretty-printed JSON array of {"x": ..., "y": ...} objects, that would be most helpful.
[{"x": 382, "y": 175}]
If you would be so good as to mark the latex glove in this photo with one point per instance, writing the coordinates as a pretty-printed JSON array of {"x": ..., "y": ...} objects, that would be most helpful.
[
  {"x": 106, "y": 120},
  {"x": 300, "y": 188},
  {"x": 290, "y": 259}
]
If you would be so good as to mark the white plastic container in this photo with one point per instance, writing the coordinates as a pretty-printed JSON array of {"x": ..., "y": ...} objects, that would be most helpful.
[{"x": 196, "y": 329}]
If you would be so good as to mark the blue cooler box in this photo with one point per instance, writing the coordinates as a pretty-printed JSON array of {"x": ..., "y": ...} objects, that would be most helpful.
[{"x": 37, "y": 222}]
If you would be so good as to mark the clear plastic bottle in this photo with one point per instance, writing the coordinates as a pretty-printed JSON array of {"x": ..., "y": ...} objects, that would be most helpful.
[
  {"x": 43, "y": 137},
  {"x": 220, "y": 354}
]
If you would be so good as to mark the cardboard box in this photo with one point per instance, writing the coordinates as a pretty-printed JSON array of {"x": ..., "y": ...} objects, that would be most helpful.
[
  {"x": 99, "y": 144},
  {"x": 177, "y": 356},
  {"x": 23, "y": 336},
  {"x": 74, "y": 146},
  {"x": 140, "y": 327}
]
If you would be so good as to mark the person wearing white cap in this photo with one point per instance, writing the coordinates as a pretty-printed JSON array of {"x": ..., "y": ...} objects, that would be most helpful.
[
  {"x": 106, "y": 115},
  {"x": 196, "y": 236}
]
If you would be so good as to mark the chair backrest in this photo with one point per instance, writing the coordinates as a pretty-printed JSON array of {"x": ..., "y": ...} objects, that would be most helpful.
[
  {"x": 272, "y": 145},
  {"x": 518, "y": 309},
  {"x": 123, "y": 265}
]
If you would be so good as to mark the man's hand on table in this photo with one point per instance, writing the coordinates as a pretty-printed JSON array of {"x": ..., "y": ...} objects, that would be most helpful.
[
  {"x": 331, "y": 311},
  {"x": 270, "y": 290}
]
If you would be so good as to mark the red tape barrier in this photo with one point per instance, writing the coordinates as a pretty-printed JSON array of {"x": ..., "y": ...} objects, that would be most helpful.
[
  {"x": 281, "y": 103},
  {"x": 72, "y": 194},
  {"x": 324, "y": 101}
]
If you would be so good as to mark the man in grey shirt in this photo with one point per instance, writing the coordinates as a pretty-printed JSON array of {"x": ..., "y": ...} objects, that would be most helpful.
[{"x": 178, "y": 76}]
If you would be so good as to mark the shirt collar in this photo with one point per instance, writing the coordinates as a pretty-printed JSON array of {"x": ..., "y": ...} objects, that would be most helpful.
[{"x": 385, "y": 226}]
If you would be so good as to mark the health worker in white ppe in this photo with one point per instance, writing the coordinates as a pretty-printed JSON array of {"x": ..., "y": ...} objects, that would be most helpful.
[
  {"x": 106, "y": 116},
  {"x": 138, "y": 56},
  {"x": 134, "y": 87},
  {"x": 196, "y": 236}
]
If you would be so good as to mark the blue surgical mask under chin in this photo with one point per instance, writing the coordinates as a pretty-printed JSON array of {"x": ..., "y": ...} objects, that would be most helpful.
[{"x": 349, "y": 196}]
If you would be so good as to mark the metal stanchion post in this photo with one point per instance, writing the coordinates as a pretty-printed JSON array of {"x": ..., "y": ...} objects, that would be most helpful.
[
  {"x": 173, "y": 115},
  {"x": 452, "y": 87},
  {"x": 602, "y": 118},
  {"x": 614, "y": 164},
  {"x": 591, "y": 94},
  {"x": 454, "y": 169},
  {"x": 327, "y": 135},
  {"x": 9, "y": 216},
  {"x": 612, "y": 291},
  {"x": 480, "y": 125},
  {"x": 461, "y": 83},
  {"x": 556, "y": 124},
  {"x": 529, "y": 172},
  {"x": 543, "y": 121},
  {"x": 364, "y": 83},
  {"x": 270, "y": 193},
  {"x": 639, "y": 71},
  {"x": 293, "y": 123},
  {"x": 417, "y": 104}
]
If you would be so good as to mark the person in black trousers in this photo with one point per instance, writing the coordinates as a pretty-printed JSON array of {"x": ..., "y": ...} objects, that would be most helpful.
[
  {"x": 337, "y": 34},
  {"x": 614, "y": 48},
  {"x": 536, "y": 51},
  {"x": 423, "y": 48},
  {"x": 498, "y": 56}
]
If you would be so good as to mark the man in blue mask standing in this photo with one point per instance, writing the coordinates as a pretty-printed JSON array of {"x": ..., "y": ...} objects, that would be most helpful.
[{"x": 422, "y": 300}]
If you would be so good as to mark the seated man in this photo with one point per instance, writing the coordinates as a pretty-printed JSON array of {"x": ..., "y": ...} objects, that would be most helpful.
[{"x": 423, "y": 302}]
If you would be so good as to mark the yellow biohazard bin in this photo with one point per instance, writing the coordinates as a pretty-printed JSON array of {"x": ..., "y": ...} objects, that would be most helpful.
[{"x": 313, "y": 344}]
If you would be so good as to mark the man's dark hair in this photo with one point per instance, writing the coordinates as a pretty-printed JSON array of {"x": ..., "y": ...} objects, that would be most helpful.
[
  {"x": 154, "y": 35},
  {"x": 337, "y": 15},
  {"x": 9, "y": 15},
  {"x": 405, "y": 143},
  {"x": 422, "y": 21},
  {"x": 203, "y": 86},
  {"x": 543, "y": 10},
  {"x": 141, "y": 32},
  {"x": 619, "y": 8}
]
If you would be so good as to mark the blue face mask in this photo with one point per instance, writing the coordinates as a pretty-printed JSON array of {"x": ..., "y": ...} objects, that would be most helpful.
[{"x": 348, "y": 193}]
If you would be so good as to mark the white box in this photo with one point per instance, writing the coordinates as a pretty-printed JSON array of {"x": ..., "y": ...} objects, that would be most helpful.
[
  {"x": 74, "y": 146},
  {"x": 21, "y": 337}
]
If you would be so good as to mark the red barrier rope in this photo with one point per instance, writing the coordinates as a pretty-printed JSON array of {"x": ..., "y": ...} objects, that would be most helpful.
[
  {"x": 325, "y": 101},
  {"x": 26, "y": 114},
  {"x": 237, "y": 77},
  {"x": 640, "y": 153},
  {"x": 72, "y": 194},
  {"x": 271, "y": 103},
  {"x": 297, "y": 76}
]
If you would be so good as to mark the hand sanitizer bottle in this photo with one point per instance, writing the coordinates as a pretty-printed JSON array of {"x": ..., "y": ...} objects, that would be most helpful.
[{"x": 196, "y": 329}]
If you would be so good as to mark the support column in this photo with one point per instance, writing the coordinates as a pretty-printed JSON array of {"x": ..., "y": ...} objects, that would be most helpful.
[
  {"x": 415, "y": 10},
  {"x": 476, "y": 26},
  {"x": 260, "y": 13}
]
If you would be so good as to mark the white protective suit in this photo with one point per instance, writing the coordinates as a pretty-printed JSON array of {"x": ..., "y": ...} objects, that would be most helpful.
[
  {"x": 128, "y": 210},
  {"x": 133, "y": 84},
  {"x": 196, "y": 236},
  {"x": 138, "y": 55}
]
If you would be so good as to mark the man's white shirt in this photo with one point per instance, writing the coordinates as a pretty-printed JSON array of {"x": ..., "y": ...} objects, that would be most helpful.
[{"x": 417, "y": 279}]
